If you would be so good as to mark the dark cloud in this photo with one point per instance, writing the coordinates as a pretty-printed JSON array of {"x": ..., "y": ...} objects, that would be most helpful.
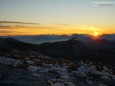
[
  {"x": 5, "y": 27},
  {"x": 12, "y": 28},
  {"x": 14, "y": 22},
  {"x": 21, "y": 27},
  {"x": 3, "y": 31}
]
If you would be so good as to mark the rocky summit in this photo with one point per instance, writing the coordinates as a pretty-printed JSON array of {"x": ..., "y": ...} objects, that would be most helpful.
[{"x": 64, "y": 63}]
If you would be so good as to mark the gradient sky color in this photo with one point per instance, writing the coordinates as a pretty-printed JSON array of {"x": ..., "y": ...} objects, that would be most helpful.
[{"x": 56, "y": 17}]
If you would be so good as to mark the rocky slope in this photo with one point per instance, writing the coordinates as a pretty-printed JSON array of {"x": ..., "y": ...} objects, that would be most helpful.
[{"x": 34, "y": 74}]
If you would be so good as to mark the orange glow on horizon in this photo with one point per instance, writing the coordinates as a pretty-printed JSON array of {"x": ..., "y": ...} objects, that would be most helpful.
[
  {"x": 94, "y": 31},
  {"x": 96, "y": 34}
]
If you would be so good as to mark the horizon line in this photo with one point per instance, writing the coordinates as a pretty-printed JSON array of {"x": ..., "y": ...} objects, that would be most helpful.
[{"x": 60, "y": 34}]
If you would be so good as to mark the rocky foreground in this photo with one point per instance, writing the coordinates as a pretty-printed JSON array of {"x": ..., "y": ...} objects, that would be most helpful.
[{"x": 38, "y": 72}]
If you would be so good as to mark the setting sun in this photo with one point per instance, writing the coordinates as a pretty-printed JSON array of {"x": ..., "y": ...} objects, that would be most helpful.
[{"x": 96, "y": 34}]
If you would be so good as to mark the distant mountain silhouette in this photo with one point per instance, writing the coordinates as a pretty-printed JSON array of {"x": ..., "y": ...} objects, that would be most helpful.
[
  {"x": 8, "y": 44},
  {"x": 38, "y": 39},
  {"x": 98, "y": 50}
]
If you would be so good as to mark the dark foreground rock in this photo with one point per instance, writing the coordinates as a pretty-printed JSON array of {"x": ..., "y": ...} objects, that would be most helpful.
[{"x": 10, "y": 76}]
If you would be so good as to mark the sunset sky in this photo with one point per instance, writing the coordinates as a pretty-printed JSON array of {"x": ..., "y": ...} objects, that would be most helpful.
[{"x": 34, "y": 17}]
